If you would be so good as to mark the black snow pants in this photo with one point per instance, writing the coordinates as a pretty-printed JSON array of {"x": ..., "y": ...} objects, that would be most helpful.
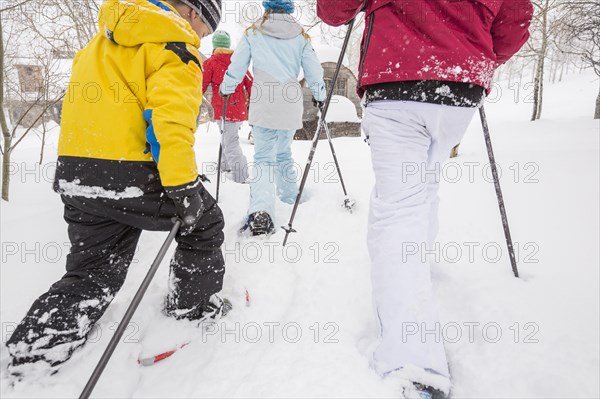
[{"x": 104, "y": 234}]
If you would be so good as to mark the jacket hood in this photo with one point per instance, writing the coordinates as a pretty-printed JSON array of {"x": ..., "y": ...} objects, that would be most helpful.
[
  {"x": 223, "y": 58},
  {"x": 281, "y": 26},
  {"x": 134, "y": 22}
]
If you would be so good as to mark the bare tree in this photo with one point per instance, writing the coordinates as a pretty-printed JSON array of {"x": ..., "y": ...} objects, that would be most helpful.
[
  {"x": 45, "y": 99},
  {"x": 42, "y": 32},
  {"x": 581, "y": 24},
  {"x": 545, "y": 27},
  {"x": 333, "y": 36},
  {"x": 63, "y": 25}
]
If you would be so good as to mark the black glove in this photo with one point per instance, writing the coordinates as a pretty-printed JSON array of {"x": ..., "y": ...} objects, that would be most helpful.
[
  {"x": 318, "y": 104},
  {"x": 189, "y": 209},
  {"x": 203, "y": 178}
]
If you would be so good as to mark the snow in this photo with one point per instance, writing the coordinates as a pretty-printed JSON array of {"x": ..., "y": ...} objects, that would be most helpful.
[
  {"x": 482, "y": 69},
  {"x": 341, "y": 109},
  {"x": 310, "y": 328},
  {"x": 46, "y": 316},
  {"x": 75, "y": 188}
]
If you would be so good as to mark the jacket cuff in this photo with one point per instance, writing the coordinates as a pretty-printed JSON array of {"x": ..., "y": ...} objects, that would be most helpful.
[{"x": 184, "y": 190}]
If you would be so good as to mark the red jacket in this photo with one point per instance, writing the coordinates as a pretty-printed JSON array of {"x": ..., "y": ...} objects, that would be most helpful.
[
  {"x": 237, "y": 105},
  {"x": 450, "y": 40}
]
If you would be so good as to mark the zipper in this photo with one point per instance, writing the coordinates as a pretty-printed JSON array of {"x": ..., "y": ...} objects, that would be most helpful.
[{"x": 367, "y": 41}]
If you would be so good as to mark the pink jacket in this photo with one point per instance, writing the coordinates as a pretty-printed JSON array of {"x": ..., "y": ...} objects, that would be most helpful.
[{"x": 449, "y": 40}]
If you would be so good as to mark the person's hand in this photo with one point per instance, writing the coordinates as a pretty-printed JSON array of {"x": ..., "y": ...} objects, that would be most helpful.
[
  {"x": 223, "y": 95},
  {"x": 318, "y": 104},
  {"x": 189, "y": 209}
]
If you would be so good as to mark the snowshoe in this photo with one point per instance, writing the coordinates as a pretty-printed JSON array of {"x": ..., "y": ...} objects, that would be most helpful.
[
  {"x": 258, "y": 223},
  {"x": 216, "y": 308},
  {"x": 170, "y": 334},
  {"x": 417, "y": 383},
  {"x": 427, "y": 392}
]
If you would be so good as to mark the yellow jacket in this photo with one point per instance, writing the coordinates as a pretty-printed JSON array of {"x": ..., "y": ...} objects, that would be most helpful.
[{"x": 135, "y": 93}]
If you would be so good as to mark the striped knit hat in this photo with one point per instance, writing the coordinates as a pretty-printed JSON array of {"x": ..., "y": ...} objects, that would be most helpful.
[{"x": 209, "y": 11}]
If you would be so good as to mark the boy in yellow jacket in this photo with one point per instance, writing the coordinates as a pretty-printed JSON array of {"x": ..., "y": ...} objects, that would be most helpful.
[{"x": 126, "y": 164}]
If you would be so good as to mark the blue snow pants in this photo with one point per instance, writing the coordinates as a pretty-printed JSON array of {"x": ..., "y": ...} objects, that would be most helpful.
[{"x": 274, "y": 170}]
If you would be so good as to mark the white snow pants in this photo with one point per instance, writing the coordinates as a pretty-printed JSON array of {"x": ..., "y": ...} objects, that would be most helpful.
[
  {"x": 233, "y": 157},
  {"x": 409, "y": 141}
]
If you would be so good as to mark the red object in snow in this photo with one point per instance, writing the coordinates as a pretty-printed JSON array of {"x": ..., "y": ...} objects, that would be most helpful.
[
  {"x": 449, "y": 40},
  {"x": 237, "y": 103},
  {"x": 152, "y": 360},
  {"x": 149, "y": 361}
]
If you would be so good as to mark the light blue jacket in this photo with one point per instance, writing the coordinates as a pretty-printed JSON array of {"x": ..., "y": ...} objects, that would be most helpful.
[{"x": 278, "y": 51}]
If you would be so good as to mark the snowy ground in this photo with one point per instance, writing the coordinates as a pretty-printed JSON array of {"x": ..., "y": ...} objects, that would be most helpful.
[{"x": 537, "y": 336}]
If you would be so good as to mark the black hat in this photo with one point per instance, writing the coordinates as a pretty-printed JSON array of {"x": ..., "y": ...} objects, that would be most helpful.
[{"x": 209, "y": 11}]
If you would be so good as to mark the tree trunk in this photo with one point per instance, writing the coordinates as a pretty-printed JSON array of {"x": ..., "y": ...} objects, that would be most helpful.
[
  {"x": 536, "y": 89},
  {"x": 562, "y": 68},
  {"x": 43, "y": 141},
  {"x": 597, "y": 112},
  {"x": 4, "y": 126},
  {"x": 521, "y": 76},
  {"x": 6, "y": 168},
  {"x": 541, "y": 90}
]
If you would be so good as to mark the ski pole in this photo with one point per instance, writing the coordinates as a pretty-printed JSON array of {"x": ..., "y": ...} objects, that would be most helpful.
[
  {"x": 289, "y": 229},
  {"x": 490, "y": 151},
  {"x": 89, "y": 387},
  {"x": 348, "y": 203},
  {"x": 221, "y": 146}
]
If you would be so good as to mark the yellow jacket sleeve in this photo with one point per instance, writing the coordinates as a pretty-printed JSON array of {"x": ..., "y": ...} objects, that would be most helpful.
[{"x": 174, "y": 95}]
